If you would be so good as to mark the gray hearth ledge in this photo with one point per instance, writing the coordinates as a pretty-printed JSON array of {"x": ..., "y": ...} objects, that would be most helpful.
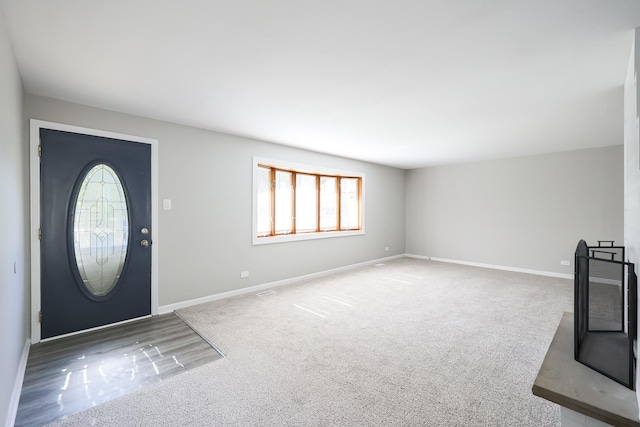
[{"x": 571, "y": 384}]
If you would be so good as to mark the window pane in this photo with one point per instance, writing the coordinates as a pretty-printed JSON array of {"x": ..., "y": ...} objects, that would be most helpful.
[
  {"x": 284, "y": 202},
  {"x": 100, "y": 230},
  {"x": 348, "y": 203},
  {"x": 306, "y": 203},
  {"x": 264, "y": 201},
  {"x": 328, "y": 196}
]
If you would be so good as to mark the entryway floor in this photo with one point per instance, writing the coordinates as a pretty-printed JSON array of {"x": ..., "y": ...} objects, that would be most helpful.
[{"x": 71, "y": 374}]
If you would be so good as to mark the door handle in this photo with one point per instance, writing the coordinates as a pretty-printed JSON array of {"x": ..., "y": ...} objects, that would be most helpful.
[{"x": 144, "y": 243}]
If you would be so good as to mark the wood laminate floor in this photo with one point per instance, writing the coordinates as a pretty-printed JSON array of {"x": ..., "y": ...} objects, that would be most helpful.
[{"x": 68, "y": 375}]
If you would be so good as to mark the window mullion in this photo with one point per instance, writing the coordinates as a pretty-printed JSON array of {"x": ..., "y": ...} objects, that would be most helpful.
[
  {"x": 317, "y": 203},
  {"x": 338, "y": 224},
  {"x": 359, "y": 203},
  {"x": 273, "y": 202},
  {"x": 293, "y": 203}
]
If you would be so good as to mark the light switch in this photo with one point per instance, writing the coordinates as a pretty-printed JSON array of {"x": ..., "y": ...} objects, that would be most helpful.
[{"x": 166, "y": 204}]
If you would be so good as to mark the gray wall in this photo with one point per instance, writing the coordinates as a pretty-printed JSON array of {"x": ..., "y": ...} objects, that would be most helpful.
[
  {"x": 632, "y": 164},
  {"x": 526, "y": 212},
  {"x": 631, "y": 160},
  {"x": 205, "y": 240},
  {"x": 14, "y": 214}
]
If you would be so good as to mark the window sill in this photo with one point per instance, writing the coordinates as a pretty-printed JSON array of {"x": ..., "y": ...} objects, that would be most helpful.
[{"x": 306, "y": 236}]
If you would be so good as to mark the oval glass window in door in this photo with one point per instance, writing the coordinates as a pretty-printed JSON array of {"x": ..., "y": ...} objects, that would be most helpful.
[{"x": 100, "y": 230}]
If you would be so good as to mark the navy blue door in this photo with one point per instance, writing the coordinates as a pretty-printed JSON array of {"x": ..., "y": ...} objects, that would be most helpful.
[{"x": 96, "y": 231}]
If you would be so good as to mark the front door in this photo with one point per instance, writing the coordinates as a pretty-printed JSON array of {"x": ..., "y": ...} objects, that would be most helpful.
[{"x": 95, "y": 231}]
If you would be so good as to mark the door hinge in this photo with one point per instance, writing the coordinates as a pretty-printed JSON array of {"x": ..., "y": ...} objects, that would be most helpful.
[
  {"x": 39, "y": 150},
  {"x": 40, "y": 316},
  {"x": 39, "y": 233}
]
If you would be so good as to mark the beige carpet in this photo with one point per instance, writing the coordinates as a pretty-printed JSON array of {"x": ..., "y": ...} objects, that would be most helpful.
[{"x": 411, "y": 342}]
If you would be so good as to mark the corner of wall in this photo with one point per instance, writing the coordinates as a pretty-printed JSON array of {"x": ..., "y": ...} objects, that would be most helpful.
[
  {"x": 14, "y": 276},
  {"x": 632, "y": 163}
]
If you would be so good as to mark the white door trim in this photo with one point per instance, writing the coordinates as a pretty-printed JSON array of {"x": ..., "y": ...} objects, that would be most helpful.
[{"x": 34, "y": 165}]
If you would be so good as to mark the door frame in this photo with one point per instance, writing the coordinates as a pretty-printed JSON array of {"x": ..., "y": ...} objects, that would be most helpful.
[{"x": 34, "y": 166}]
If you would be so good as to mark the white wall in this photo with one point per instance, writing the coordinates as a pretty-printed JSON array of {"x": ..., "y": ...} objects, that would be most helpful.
[
  {"x": 205, "y": 241},
  {"x": 632, "y": 164},
  {"x": 14, "y": 304},
  {"x": 527, "y": 212}
]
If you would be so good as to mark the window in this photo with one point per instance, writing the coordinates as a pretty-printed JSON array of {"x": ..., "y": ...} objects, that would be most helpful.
[
  {"x": 306, "y": 203},
  {"x": 328, "y": 199},
  {"x": 298, "y": 202},
  {"x": 349, "y": 203},
  {"x": 284, "y": 202}
]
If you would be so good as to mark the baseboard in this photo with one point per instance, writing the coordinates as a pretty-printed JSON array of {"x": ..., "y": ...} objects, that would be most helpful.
[
  {"x": 257, "y": 288},
  {"x": 496, "y": 267},
  {"x": 17, "y": 386},
  {"x": 417, "y": 256}
]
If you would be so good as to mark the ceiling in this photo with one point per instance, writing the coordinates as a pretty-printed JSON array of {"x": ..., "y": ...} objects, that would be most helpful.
[{"x": 401, "y": 83}]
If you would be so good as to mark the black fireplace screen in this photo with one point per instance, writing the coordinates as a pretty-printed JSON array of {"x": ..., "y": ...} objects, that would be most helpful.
[{"x": 605, "y": 310}]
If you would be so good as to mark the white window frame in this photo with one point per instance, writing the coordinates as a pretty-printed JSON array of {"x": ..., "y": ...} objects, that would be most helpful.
[{"x": 302, "y": 168}]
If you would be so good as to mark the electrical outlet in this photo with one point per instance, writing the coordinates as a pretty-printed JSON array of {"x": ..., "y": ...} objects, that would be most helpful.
[
  {"x": 244, "y": 274},
  {"x": 565, "y": 262}
]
